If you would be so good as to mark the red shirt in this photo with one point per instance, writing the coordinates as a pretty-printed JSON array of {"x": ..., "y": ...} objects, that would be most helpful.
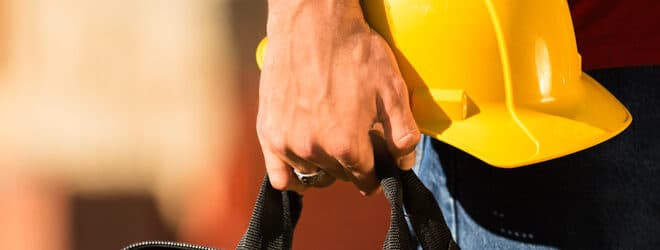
[{"x": 617, "y": 33}]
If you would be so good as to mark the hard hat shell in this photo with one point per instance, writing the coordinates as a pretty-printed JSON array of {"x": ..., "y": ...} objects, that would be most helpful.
[{"x": 498, "y": 79}]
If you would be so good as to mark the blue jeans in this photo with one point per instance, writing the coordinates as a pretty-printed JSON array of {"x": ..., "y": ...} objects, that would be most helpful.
[{"x": 605, "y": 197}]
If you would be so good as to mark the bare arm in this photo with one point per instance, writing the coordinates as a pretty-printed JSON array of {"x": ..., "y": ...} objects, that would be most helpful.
[{"x": 327, "y": 80}]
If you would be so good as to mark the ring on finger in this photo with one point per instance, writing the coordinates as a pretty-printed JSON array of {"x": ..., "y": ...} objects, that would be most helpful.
[{"x": 311, "y": 179}]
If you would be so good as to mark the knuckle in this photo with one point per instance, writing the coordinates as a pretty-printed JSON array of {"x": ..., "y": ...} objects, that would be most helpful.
[
  {"x": 345, "y": 153},
  {"x": 265, "y": 132},
  {"x": 276, "y": 143},
  {"x": 262, "y": 131},
  {"x": 304, "y": 150},
  {"x": 408, "y": 140},
  {"x": 414, "y": 135},
  {"x": 268, "y": 131}
]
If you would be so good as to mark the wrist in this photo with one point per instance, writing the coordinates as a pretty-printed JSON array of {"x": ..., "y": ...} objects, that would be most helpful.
[
  {"x": 288, "y": 17},
  {"x": 278, "y": 6}
]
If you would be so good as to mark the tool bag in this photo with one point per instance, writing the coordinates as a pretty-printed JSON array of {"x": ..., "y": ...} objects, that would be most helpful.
[{"x": 276, "y": 213}]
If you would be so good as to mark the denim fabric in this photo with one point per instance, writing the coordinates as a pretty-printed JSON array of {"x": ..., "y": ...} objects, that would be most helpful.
[{"x": 605, "y": 197}]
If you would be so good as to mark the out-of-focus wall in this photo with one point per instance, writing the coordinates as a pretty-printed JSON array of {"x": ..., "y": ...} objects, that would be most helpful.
[
  {"x": 4, "y": 22},
  {"x": 116, "y": 94}
]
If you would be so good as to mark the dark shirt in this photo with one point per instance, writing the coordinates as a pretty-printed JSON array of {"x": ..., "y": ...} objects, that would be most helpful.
[{"x": 617, "y": 33}]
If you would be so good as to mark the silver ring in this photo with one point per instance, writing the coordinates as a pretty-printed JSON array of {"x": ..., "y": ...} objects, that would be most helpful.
[{"x": 310, "y": 179}]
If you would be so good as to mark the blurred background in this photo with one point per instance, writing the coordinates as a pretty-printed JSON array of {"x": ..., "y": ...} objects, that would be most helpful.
[{"x": 133, "y": 120}]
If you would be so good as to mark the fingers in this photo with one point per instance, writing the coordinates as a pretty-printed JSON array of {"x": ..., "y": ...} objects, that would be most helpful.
[
  {"x": 310, "y": 158},
  {"x": 355, "y": 154},
  {"x": 280, "y": 174},
  {"x": 349, "y": 158},
  {"x": 283, "y": 159},
  {"x": 400, "y": 130}
]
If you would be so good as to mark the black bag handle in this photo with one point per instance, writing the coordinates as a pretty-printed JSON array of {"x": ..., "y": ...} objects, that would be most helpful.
[{"x": 276, "y": 212}]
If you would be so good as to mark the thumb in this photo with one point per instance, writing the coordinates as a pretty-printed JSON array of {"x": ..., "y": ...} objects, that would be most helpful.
[{"x": 400, "y": 130}]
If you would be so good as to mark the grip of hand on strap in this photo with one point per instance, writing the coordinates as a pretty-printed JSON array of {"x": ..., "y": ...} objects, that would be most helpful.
[{"x": 276, "y": 212}]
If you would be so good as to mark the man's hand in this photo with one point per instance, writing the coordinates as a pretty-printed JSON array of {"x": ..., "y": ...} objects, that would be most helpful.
[{"x": 327, "y": 80}]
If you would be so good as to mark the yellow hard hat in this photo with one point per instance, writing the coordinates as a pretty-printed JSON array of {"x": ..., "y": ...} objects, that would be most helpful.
[{"x": 498, "y": 79}]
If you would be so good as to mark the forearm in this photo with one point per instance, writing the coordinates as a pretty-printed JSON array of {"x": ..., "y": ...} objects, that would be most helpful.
[{"x": 313, "y": 16}]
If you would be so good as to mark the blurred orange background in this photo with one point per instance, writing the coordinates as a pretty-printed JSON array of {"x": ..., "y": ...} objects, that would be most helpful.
[{"x": 125, "y": 121}]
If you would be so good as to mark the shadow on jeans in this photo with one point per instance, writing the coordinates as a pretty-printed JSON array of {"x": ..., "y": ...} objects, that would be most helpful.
[{"x": 607, "y": 196}]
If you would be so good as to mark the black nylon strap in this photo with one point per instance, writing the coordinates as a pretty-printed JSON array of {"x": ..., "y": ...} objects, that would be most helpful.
[
  {"x": 276, "y": 213},
  {"x": 424, "y": 214},
  {"x": 273, "y": 219},
  {"x": 404, "y": 189}
]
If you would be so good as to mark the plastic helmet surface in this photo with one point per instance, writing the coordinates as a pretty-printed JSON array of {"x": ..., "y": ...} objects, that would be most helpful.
[{"x": 498, "y": 79}]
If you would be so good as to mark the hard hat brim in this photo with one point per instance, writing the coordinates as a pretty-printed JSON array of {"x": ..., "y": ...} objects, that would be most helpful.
[{"x": 507, "y": 139}]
